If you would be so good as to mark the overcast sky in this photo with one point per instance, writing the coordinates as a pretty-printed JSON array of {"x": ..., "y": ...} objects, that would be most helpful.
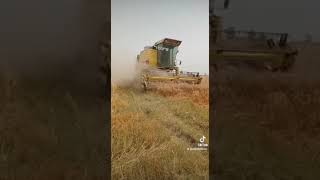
[
  {"x": 37, "y": 34},
  {"x": 295, "y": 17},
  {"x": 138, "y": 23}
]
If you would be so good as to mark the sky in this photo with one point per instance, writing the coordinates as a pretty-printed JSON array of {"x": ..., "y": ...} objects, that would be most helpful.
[
  {"x": 139, "y": 23},
  {"x": 61, "y": 31},
  {"x": 37, "y": 35},
  {"x": 295, "y": 17}
]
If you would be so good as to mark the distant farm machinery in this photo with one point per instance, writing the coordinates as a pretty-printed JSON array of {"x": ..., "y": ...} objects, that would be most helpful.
[{"x": 260, "y": 50}]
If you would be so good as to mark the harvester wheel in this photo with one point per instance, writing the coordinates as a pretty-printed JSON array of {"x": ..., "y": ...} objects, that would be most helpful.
[
  {"x": 144, "y": 82},
  {"x": 145, "y": 85},
  {"x": 287, "y": 64}
]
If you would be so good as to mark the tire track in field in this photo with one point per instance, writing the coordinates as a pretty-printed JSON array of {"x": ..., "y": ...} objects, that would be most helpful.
[{"x": 155, "y": 108}]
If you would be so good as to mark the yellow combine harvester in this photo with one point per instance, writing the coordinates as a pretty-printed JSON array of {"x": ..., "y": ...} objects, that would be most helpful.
[{"x": 158, "y": 64}]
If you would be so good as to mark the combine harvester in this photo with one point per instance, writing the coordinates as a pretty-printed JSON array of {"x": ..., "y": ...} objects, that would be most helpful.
[
  {"x": 257, "y": 50},
  {"x": 157, "y": 63}
]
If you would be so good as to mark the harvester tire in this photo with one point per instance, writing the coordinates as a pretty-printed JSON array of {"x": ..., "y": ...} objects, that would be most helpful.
[
  {"x": 145, "y": 85},
  {"x": 287, "y": 64}
]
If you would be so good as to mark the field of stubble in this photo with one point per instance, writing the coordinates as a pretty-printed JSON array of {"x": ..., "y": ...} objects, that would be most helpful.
[
  {"x": 152, "y": 130},
  {"x": 50, "y": 128},
  {"x": 267, "y": 125}
]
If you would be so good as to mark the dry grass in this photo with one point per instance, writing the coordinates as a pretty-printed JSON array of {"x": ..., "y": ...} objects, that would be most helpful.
[
  {"x": 296, "y": 101},
  {"x": 149, "y": 141},
  {"x": 47, "y": 131},
  {"x": 198, "y": 93},
  {"x": 270, "y": 125}
]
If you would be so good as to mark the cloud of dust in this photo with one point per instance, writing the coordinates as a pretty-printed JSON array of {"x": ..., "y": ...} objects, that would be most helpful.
[{"x": 124, "y": 71}]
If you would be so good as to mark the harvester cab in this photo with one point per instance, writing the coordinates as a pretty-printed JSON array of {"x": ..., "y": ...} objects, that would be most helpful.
[
  {"x": 159, "y": 63},
  {"x": 162, "y": 55}
]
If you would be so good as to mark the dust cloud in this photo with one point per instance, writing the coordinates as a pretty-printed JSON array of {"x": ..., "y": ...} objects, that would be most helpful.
[{"x": 124, "y": 70}]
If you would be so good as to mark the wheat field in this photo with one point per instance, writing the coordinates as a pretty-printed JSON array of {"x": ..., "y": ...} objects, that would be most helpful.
[
  {"x": 50, "y": 129},
  {"x": 151, "y": 132},
  {"x": 267, "y": 125}
]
